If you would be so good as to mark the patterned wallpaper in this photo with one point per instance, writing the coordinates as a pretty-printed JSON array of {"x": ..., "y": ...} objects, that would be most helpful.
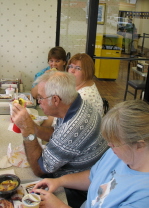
[{"x": 27, "y": 32}]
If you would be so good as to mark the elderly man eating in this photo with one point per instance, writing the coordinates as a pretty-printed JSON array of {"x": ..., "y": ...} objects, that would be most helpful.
[{"x": 75, "y": 143}]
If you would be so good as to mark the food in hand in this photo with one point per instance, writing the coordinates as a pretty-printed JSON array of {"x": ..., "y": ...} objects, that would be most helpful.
[
  {"x": 23, "y": 102},
  {"x": 8, "y": 185},
  {"x": 15, "y": 101},
  {"x": 54, "y": 69}
]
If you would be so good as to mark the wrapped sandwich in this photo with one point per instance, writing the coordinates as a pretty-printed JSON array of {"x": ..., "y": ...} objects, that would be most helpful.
[{"x": 21, "y": 101}]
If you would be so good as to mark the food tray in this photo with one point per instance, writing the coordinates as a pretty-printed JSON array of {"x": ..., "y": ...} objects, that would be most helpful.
[
  {"x": 5, "y": 98},
  {"x": 29, "y": 96},
  {"x": 4, "y": 103},
  {"x": 8, "y": 98}
]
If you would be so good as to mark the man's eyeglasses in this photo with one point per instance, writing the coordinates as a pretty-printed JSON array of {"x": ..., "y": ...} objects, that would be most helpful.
[
  {"x": 40, "y": 98},
  {"x": 74, "y": 67}
]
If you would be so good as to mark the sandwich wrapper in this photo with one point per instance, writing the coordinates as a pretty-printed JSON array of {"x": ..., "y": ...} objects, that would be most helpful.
[{"x": 15, "y": 157}]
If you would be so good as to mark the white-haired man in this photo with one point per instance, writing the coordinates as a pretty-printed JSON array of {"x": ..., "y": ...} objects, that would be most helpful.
[{"x": 75, "y": 143}]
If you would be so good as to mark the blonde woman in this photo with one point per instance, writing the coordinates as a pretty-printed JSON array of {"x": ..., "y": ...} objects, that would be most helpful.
[{"x": 121, "y": 177}]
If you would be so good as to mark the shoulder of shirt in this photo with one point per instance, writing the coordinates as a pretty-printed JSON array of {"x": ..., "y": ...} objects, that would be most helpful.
[{"x": 41, "y": 72}]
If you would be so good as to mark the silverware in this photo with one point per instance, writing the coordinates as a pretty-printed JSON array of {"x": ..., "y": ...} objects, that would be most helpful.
[{"x": 28, "y": 201}]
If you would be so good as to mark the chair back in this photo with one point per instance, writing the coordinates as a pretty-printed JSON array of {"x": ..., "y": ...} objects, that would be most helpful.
[
  {"x": 68, "y": 55},
  {"x": 105, "y": 105},
  {"x": 136, "y": 84}
]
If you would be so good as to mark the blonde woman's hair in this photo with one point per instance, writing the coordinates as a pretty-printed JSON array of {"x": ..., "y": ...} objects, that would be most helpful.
[{"x": 127, "y": 122}]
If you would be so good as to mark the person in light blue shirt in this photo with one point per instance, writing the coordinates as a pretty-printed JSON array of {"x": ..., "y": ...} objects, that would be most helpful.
[
  {"x": 56, "y": 60},
  {"x": 120, "y": 179},
  {"x": 38, "y": 74}
]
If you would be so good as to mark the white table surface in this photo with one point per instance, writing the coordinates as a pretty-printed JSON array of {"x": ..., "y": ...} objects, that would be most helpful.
[
  {"x": 139, "y": 72},
  {"x": 16, "y": 139}
]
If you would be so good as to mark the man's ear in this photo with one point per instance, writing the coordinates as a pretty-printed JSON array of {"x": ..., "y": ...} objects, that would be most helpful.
[{"x": 56, "y": 100}]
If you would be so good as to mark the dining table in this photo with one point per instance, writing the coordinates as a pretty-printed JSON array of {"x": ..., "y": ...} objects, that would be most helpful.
[
  {"x": 143, "y": 74},
  {"x": 25, "y": 174}
]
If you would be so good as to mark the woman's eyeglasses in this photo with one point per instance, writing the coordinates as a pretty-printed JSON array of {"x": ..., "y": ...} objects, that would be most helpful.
[{"x": 74, "y": 67}]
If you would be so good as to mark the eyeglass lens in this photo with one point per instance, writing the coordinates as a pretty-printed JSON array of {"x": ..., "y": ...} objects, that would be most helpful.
[{"x": 74, "y": 67}]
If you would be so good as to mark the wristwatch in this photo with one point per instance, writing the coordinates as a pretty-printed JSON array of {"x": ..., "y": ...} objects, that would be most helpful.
[{"x": 30, "y": 137}]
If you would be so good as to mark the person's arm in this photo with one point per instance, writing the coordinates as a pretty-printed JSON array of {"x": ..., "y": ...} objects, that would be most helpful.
[
  {"x": 48, "y": 122},
  {"x": 33, "y": 151},
  {"x": 44, "y": 132},
  {"x": 78, "y": 181},
  {"x": 22, "y": 119}
]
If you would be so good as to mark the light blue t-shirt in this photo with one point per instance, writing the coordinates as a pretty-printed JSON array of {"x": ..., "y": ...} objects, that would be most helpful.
[
  {"x": 115, "y": 185},
  {"x": 38, "y": 74}
]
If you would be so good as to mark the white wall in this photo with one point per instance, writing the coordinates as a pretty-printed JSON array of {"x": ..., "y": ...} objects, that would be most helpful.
[
  {"x": 111, "y": 14},
  {"x": 142, "y": 24},
  {"x": 27, "y": 32}
]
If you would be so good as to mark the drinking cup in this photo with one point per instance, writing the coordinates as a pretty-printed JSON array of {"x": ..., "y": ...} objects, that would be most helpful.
[
  {"x": 10, "y": 91},
  {"x": 34, "y": 204},
  {"x": 16, "y": 129}
]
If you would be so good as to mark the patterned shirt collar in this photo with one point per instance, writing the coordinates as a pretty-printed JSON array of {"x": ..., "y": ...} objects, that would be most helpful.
[{"x": 72, "y": 110}]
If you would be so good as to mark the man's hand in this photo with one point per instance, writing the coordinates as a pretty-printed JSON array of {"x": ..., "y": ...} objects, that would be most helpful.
[{"x": 22, "y": 119}]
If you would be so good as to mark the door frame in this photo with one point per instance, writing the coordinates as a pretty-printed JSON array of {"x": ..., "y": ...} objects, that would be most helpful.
[{"x": 91, "y": 25}]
